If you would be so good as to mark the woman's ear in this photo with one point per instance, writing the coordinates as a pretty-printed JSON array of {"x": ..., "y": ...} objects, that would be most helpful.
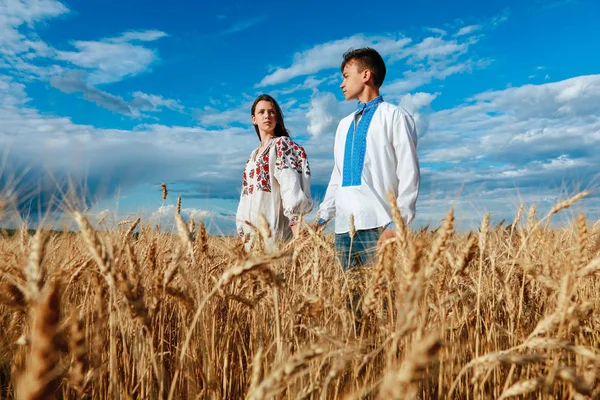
[{"x": 253, "y": 120}]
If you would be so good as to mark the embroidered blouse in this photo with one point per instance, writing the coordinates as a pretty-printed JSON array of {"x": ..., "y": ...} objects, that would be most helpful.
[{"x": 276, "y": 183}]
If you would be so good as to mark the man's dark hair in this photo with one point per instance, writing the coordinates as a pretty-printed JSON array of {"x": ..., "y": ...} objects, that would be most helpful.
[{"x": 367, "y": 58}]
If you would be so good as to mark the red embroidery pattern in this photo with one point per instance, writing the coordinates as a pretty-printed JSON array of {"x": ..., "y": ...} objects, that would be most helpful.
[
  {"x": 245, "y": 186},
  {"x": 258, "y": 177},
  {"x": 263, "y": 178},
  {"x": 290, "y": 155}
]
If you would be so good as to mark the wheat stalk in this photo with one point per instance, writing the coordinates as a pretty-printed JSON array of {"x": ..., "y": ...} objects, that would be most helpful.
[
  {"x": 202, "y": 238},
  {"x": 523, "y": 387},
  {"x": 352, "y": 227},
  {"x": 284, "y": 373},
  {"x": 401, "y": 384},
  {"x": 131, "y": 229},
  {"x": 401, "y": 233},
  {"x": 43, "y": 374},
  {"x": 185, "y": 236},
  {"x": 34, "y": 272},
  {"x": 95, "y": 247},
  {"x": 79, "y": 363}
]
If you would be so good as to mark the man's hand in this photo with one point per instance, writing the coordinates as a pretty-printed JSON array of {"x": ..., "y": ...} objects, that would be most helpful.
[
  {"x": 316, "y": 227},
  {"x": 385, "y": 235}
]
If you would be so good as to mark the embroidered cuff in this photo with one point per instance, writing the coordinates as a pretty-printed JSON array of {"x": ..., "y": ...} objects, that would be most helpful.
[
  {"x": 391, "y": 226},
  {"x": 294, "y": 220},
  {"x": 322, "y": 221}
]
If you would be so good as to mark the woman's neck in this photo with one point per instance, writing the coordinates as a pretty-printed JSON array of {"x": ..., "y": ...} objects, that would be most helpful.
[{"x": 265, "y": 137}]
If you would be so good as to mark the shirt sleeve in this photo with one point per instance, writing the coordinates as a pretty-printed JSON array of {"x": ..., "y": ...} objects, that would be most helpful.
[
  {"x": 407, "y": 164},
  {"x": 292, "y": 172},
  {"x": 238, "y": 216},
  {"x": 327, "y": 207}
]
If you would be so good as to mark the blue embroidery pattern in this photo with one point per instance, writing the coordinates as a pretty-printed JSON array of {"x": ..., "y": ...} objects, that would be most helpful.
[{"x": 356, "y": 143}]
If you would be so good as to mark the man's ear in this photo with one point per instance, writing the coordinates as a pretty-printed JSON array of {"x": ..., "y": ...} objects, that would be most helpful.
[{"x": 366, "y": 75}]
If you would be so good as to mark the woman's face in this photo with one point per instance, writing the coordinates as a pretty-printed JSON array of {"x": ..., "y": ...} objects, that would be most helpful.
[{"x": 265, "y": 117}]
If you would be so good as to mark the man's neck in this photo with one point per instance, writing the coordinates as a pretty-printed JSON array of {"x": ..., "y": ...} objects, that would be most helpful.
[{"x": 368, "y": 94}]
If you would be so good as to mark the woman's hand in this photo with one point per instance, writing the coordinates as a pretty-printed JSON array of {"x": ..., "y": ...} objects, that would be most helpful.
[{"x": 296, "y": 230}]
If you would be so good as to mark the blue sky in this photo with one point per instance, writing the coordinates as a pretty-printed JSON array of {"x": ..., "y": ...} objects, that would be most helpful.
[{"x": 126, "y": 95}]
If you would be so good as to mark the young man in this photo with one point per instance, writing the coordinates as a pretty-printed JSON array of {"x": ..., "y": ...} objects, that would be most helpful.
[{"x": 375, "y": 151}]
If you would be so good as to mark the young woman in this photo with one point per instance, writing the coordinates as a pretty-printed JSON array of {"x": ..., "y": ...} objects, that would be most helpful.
[{"x": 276, "y": 180}]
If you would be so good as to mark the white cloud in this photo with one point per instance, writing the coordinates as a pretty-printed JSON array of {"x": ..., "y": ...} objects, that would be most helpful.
[
  {"x": 166, "y": 214},
  {"x": 19, "y": 14},
  {"x": 558, "y": 3},
  {"x": 210, "y": 116},
  {"x": 243, "y": 25},
  {"x": 435, "y": 48},
  {"x": 75, "y": 82},
  {"x": 324, "y": 114},
  {"x": 418, "y": 105},
  {"x": 113, "y": 59},
  {"x": 559, "y": 164},
  {"x": 530, "y": 143},
  {"x": 499, "y": 19},
  {"x": 414, "y": 102},
  {"x": 329, "y": 55},
  {"x": 20, "y": 46},
  {"x": 106, "y": 158},
  {"x": 414, "y": 79},
  {"x": 151, "y": 102},
  {"x": 107, "y": 60},
  {"x": 142, "y": 36},
  {"x": 438, "y": 31},
  {"x": 216, "y": 223},
  {"x": 434, "y": 56},
  {"x": 309, "y": 83},
  {"x": 434, "y": 59},
  {"x": 465, "y": 30},
  {"x": 519, "y": 125}
]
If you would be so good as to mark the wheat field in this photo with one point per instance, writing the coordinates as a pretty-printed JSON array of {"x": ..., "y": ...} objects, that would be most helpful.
[{"x": 134, "y": 312}]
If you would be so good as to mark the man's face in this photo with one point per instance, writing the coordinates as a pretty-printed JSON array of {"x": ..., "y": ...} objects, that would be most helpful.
[{"x": 353, "y": 82}]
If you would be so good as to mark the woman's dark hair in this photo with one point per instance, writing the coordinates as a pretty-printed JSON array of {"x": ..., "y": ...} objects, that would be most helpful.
[{"x": 280, "y": 126}]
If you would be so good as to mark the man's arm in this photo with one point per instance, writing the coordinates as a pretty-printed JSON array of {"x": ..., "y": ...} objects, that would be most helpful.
[
  {"x": 404, "y": 140},
  {"x": 407, "y": 164},
  {"x": 327, "y": 207}
]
